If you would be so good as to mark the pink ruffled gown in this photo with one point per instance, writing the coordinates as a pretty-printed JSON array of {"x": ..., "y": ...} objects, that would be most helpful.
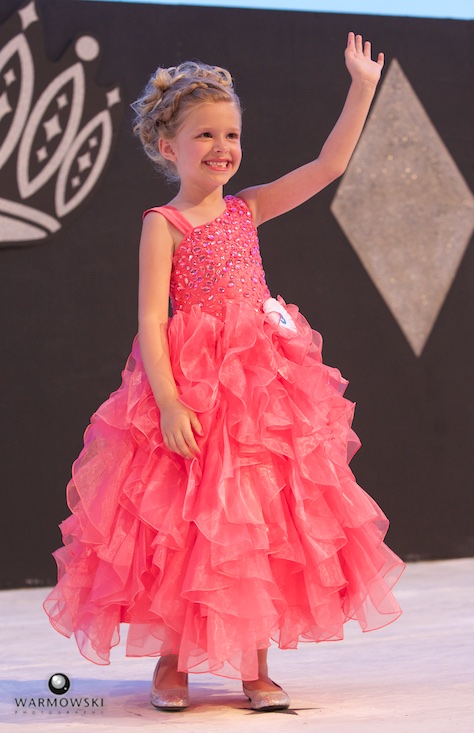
[{"x": 266, "y": 535}]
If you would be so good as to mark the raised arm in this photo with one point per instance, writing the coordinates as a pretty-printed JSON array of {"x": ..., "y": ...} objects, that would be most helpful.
[
  {"x": 156, "y": 253},
  {"x": 272, "y": 199}
]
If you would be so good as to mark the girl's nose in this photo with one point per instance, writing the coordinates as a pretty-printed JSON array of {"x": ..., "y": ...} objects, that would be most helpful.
[{"x": 220, "y": 145}]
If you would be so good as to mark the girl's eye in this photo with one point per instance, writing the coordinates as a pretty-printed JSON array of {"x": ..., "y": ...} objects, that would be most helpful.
[
  {"x": 206, "y": 134},
  {"x": 233, "y": 135}
]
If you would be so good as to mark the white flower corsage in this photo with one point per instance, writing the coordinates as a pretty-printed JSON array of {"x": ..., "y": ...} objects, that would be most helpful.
[{"x": 278, "y": 315}]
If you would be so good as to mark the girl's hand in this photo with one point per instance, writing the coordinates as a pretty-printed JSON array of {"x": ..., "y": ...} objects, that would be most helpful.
[
  {"x": 359, "y": 62},
  {"x": 177, "y": 424}
]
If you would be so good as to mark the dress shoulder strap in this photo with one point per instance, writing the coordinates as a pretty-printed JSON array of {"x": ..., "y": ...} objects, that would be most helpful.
[{"x": 173, "y": 216}]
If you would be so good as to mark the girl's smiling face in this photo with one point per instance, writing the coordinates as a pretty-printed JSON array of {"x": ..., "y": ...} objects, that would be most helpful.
[{"x": 206, "y": 149}]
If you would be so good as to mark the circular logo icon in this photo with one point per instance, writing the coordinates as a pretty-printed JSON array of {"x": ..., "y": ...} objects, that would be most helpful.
[{"x": 58, "y": 683}]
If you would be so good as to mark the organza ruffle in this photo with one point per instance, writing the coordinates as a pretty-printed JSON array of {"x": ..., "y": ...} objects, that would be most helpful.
[{"x": 265, "y": 536}]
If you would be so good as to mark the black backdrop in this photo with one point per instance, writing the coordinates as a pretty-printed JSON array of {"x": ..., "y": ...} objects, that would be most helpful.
[{"x": 69, "y": 305}]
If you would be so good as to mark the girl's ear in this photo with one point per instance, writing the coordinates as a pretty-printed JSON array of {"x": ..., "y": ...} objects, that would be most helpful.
[{"x": 165, "y": 148}]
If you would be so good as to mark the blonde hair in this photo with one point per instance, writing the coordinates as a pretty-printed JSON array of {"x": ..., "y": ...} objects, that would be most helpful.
[{"x": 169, "y": 95}]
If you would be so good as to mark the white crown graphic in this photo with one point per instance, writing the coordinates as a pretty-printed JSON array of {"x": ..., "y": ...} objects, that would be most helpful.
[{"x": 56, "y": 129}]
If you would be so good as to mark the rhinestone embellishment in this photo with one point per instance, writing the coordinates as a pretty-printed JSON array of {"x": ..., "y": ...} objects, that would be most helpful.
[{"x": 218, "y": 262}]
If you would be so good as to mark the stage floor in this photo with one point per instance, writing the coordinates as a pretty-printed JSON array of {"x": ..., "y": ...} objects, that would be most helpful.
[{"x": 415, "y": 675}]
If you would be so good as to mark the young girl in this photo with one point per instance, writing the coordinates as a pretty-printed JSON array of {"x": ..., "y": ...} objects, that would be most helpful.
[{"x": 213, "y": 508}]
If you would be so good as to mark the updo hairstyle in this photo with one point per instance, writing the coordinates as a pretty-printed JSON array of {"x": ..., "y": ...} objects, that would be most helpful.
[{"x": 169, "y": 95}]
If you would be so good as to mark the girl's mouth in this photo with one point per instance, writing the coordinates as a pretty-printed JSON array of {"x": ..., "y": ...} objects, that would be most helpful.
[{"x": 221, "y": 165}]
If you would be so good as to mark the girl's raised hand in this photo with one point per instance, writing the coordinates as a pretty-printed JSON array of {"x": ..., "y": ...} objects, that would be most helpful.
[
  {"x": 177, "y": 424},
  {"x": 359, "y": 61}
]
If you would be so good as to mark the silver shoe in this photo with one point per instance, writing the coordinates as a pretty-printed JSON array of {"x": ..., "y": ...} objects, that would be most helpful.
[
  {"x": 267, "y": 700},
  {"x": 174, "y": 698}
]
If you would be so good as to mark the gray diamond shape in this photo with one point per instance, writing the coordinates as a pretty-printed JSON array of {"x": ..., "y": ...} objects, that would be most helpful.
[{"x": 405, "y": 208}]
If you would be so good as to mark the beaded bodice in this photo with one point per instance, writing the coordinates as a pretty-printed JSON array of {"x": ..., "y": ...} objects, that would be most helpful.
[{"x": 217, "y": 262}]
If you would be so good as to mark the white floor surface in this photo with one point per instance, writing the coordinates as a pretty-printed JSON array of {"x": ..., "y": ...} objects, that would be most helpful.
[{"x": 415, "y": 675}]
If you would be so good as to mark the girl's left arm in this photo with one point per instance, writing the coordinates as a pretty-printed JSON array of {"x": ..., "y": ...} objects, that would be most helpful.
[{"x": 272, "y": 199}]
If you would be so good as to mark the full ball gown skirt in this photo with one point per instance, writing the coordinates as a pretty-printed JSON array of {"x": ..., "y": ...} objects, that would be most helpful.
[{"x": 265, "y": 535}]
